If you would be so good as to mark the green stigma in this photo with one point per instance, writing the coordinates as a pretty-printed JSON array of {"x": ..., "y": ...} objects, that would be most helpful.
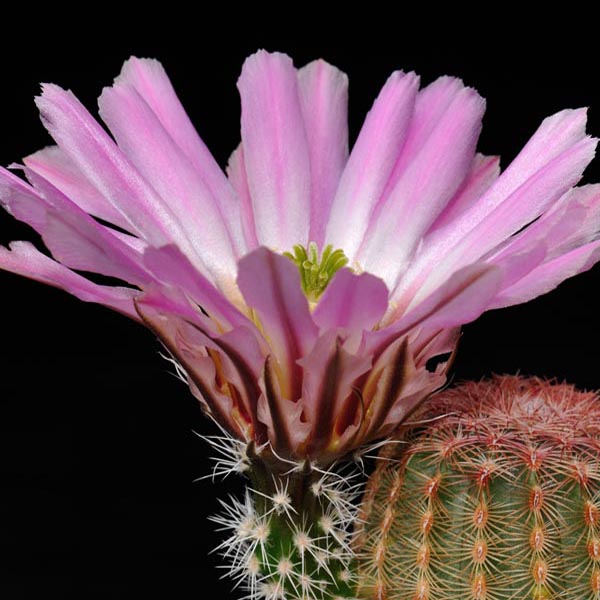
[{"x": 316, "y": 271}]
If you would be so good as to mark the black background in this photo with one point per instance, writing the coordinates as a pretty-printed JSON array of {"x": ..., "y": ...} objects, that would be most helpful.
[{"x": 97, "y": 450}]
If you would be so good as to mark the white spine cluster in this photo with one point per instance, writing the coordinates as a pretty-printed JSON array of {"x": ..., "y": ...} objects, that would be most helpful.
[{"x": 272, "y": 549}]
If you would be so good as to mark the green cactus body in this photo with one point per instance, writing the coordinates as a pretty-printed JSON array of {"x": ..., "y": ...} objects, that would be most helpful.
[
  {"x": 499, "y": 498},
  {"x": 290, "y": 538}
]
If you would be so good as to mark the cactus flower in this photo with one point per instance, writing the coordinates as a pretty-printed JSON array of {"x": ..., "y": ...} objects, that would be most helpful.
[{"x": 302, "y": 293}]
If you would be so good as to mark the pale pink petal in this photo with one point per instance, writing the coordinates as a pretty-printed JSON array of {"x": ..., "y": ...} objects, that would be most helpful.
[
  {"x": 431, "y": 104},
  {"x": 153, "y": 152},
  {"x": 352, "y": 302},
  {"x": 484, "y": 171},
  {"x": 275, "y": 150},
  {"x": 106, "y": 167},
  {"x": 150, "y": 80},
  {"x": 72, "y": 236},
  {"x": 371, "y": 162},
  {"x": 271, "y": 286},
  {"x": 324, "y": 101},
  {"x": 168, "y": 265},
  {"x": 547, "y": 276},
  {"x": 427, "y": 183},
  {"x": 24, "y": 259},
  {"x": 460, "y": 300},
  {"x": 236, "y": 171},
  {"x": 53, "y": 165},
  {"x": 559, "y": 148},
  {"x": 573, "y": 221},
  {"x": 493, "y": 219}
]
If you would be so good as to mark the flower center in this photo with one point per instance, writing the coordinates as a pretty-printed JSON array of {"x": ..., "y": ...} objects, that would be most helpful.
[{"x": 316, "y": 271}]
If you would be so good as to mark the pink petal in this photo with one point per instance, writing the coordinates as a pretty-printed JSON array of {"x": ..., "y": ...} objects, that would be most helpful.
[
  {"x": 371, "y": 162},
  {"x": 105, "y": 166},
  {"x": 72, "y": 236},
  {"x": 271, "y": 286},
  {"x": 432, "y": 103},
  {"x": 276, "y": 152},
  {"x": 236, "y": 171},
  {"x": 170, "y": 266},
  {"x": 212, "y": 224},
  {"x": 53, "y": 165},
  {"x": 427, "y": 183},
  {"x": 150, "y": 80},
  {"x": 324, "y": 100},
  {"x": 459, "y": 300},
  {"x": 484, "y": 171},
  {"x": 573, "y": 221},
  {"x": 23, "y": 259},
  {"x": 549, "y": 275},
  {"x": 352, "y": 302},
  {"x": 559, "y": 148},
  {"x": 494, "y": 218}
]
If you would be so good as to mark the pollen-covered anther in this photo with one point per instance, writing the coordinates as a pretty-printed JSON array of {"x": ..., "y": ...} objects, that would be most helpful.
[
  {"x": 426, "y": 522},
  {"x": 423, "y": 556},
  {"x": 537, "y": 539},
  {"x": 480, "y": 551},
  {"x": 479, "y": 587},
  {"x": 539, "y": 571},
  {"x": 481, "y": 516},
  {"x": 536, "y": 499},
  {"x": 593, "y": 549},
  {"x": 591, "y": 514}
]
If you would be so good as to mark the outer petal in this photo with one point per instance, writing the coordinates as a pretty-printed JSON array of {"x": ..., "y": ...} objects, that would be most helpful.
[
  {"x": 270, "y": 284},
  {"x": 23, "y": 259},
  {"x": 236, "y": 171},
  {"x": 154, "y": 153},
  {"x": 324, "y": 100},
  {"x": 371, "y": 162},
  {"x": 573, "y": 221},
  {"x": 429, "y": 179},
  {"x": 276, "y": 152},
  {"x": 73, "y": 237},
  {"x": 459, "y": 300},
  {"x": 548, "y": 275},
  {"x": 484, "y": 171},
  {"x": 53, "y": 165},
  {"x": 151, "y": 82},
  {"x": 352, "y": 302},
  {"x": 170, "y": 266},
  {"x": 532, "y": 189},
  {"x": 105, "y": 166}
]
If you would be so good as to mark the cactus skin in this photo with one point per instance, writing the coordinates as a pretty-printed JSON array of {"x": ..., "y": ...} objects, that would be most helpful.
[{"x": 497, "y": 499}]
